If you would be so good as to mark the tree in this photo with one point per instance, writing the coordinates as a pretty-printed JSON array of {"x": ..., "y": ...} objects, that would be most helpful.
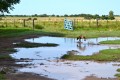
[
  {"x": 6, "y": 5},
  {"x": 88, "y": 16},
  {"x": 57, "y": 15},
  {"x": 111, "y": 15},
  {"x": 66, "y": 15},
  {"x": 52, "y": 15},
  {"x": 44, "y": 15},
  {"x": 96, "y": 16},
  {"x": 104, "y": 17}
]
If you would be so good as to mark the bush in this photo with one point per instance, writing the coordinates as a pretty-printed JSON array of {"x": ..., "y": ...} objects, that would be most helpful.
[
  {"x": 35, "y": 18},
  {"x": 2, "y": 26},
  {"x": 0, "y": 18},
  {"x": 39, "y": 27}
]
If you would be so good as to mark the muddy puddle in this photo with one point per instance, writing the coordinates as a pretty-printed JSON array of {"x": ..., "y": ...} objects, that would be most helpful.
[{"x": 47, "y": 63}]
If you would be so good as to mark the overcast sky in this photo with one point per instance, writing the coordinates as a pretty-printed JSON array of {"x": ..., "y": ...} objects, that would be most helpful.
[{"x": 61, "y": 7}]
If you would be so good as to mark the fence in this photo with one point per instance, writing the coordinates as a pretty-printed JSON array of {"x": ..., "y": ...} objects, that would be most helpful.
[{"x": 78, "y": 23}]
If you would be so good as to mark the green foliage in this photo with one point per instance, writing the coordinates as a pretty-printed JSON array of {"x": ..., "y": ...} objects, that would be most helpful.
[
  {"x": 2, "y": 26},
  {"x": 111, "y": 15},
  {"x": 104, "y": 17},
  {"x": 6, "y": 5}
]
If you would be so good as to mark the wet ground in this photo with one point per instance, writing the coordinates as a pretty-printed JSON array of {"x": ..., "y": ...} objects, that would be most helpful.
[
  {"x": 46, "y": 60},
  {"x": 11, "y": 66}
]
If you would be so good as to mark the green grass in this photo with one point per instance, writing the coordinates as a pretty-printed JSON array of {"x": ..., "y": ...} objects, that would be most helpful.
[
  {"x": 110, "y": 42},
  {"x": 5, "y": 56},
  {"x": 17, "y": 32},
  {"x": 10, "y": 50},
  {"x": 118, "y": 70},
  {"x": 12, "y": 32},
  {"x": 2, "y": 77},
  {"x": 59, "y": 31},
  {"x": 118, "y": 75},
  {"x": 32, "y": 45},
  {"x": 103, "y": 55}
]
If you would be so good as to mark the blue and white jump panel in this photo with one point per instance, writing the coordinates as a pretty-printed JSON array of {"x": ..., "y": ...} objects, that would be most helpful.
[{"x": 68, "y": 24}]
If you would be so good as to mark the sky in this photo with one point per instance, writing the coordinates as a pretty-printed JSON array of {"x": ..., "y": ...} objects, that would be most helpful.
[{"x": 61, "y": 7}]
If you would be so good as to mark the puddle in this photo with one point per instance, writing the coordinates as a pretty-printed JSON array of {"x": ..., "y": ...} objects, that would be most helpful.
[{"x": 47, "y": 63}]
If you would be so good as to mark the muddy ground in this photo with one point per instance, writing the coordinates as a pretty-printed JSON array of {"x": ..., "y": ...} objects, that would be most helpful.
[
  {"x": 11, "y": 67},
  {"x": 95, "y": 78}
]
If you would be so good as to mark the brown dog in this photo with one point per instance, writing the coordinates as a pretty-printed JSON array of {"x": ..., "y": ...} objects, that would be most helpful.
[{"x": 81, "y": 37}]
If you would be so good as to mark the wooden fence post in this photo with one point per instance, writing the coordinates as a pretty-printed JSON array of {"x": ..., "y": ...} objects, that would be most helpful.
[
  {"x": 82, "y": 23},
  {"x": 107, "y": 23},
  {"x": 14, "y": 22},
  {"x": 6, "y": 22},
  {"x": 33, "y": 24},
  {"x": 24, "y": 22},
  {"x": 97, "y": 22},
  {"x": 116, "y": 23},
  {"x": 89, "y": 22}
]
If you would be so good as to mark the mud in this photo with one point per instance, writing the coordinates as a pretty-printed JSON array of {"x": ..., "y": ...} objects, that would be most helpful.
[{"x": 25, "y": 76}]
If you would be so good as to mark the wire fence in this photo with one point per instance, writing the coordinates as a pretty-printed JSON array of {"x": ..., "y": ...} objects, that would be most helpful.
[{"x": 78, "y": 23}]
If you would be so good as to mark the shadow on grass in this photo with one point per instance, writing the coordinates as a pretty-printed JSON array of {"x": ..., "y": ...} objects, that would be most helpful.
[{"x": 17, "y": 32}]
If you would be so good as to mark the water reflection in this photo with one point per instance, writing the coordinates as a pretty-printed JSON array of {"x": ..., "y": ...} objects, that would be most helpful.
[
  {"x": 87, "y": 47},
  {"x": 81, "y": 47},
  {"x": 46, "y": 59}
]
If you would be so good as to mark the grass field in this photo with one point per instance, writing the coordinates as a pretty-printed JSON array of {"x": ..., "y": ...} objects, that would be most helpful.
[
  {"x": 79, "y": 22},
  {"x": 51, "y": 31},
  {"x": 15, "y": 26},
  {"x": 59, "y": 31}
]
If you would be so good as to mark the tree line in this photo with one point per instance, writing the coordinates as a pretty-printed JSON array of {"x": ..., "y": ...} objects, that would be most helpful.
[
  {"x": 6, "y": 5},
  {"x": 110, "y": 16}
]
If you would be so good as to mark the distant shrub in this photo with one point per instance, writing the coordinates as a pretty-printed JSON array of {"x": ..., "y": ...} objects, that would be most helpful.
[
  {"x": 0, "y": 18},
  {"x": 39, "y": 27},
  {"x": 35, "y": 18},
  {"x": 2, "y": 26},
  {"x": 16, "y": 26},
  {"x": 28, "y": 19}
]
